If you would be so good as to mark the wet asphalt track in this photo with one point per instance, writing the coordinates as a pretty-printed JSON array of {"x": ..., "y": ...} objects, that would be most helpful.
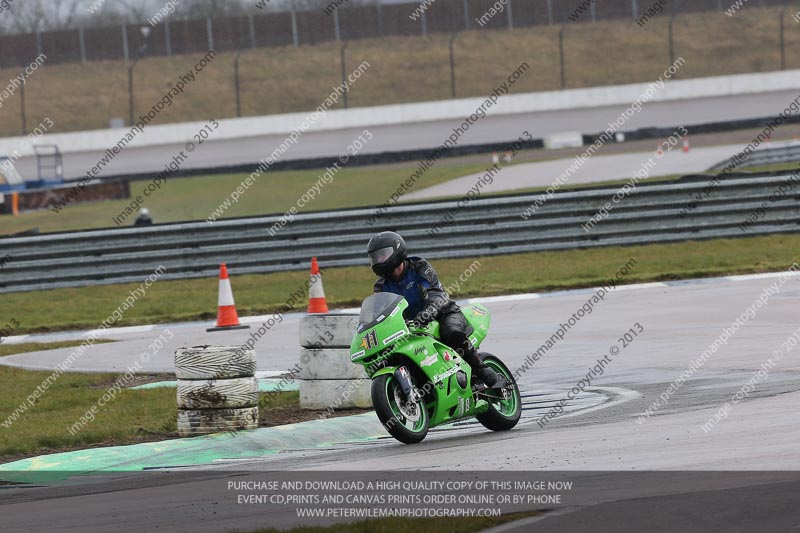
[{"x": 597, "y": 446}]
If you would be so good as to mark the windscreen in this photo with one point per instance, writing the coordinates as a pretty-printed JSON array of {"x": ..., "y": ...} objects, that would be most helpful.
[{"x": 376, "y": 305}]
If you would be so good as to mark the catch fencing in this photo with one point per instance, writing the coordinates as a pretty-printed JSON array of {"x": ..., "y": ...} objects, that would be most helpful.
[{"x": 296, "y": 28}]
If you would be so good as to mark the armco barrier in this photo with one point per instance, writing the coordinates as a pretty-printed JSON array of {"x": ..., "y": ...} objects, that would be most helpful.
[
  {"x": 652, "y": 213},
  {"x": 779, "y": 154}
]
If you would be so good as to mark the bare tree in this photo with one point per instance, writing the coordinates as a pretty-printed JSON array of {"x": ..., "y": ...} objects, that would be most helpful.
[
  {"x": 195, "y": 9},
  {"x": 310, "y": 5},
  {"x": 111, "y": 13},
  {"x": 31, "y": 16},
  {"x": 136, "y": 11}
]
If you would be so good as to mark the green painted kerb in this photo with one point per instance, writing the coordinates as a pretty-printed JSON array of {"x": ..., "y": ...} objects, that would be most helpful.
[{"x": 194, "y": 451}]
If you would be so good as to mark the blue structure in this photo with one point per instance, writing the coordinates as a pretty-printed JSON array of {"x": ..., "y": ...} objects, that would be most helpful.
[
  {"x": 49, "y": 169},
  {"x": 10, "y": 178}
]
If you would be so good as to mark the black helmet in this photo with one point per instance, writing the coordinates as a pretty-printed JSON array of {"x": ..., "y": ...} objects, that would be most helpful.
[{"x": 386, "y": 251}]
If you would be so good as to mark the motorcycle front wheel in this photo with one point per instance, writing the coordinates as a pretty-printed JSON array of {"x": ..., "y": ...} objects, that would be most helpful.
[{"x": 406, "y": 421}]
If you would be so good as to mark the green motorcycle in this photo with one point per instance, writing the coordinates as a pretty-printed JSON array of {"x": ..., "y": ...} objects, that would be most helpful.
[{"x": 418, "y": 382}]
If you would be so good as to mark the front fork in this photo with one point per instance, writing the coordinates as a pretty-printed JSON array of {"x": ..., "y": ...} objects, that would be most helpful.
[{"x": 406, "y": 385}]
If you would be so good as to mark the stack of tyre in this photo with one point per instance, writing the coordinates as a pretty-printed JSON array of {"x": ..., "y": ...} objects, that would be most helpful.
[
  {"x": 329, "y": 378},
  {"x": 217, "y": 389}
]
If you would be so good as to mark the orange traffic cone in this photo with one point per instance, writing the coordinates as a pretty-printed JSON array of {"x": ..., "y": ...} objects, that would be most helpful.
[
  {"x": 227, "y": 318},
  {"x": 659, "y": 150},
  {"x": 316, "y": 295},
  {"x": 686, "y": 146}
]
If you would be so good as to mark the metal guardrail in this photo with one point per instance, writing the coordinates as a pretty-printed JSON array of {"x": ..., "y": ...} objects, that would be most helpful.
[
  {"x": 784, "y": 153},
  {"x": 486, "y": 226}
]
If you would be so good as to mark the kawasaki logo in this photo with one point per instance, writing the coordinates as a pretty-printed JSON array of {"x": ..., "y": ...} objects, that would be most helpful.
[{"x": 437, "y": 378}]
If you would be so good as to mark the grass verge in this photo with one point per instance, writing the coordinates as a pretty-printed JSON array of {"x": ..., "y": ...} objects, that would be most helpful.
[
  {"x": 133, "y": 416},
  {"x": 24, "y": 347},
  {"x": 184, "y": 300},
  {"x": 196, "y": 198}
]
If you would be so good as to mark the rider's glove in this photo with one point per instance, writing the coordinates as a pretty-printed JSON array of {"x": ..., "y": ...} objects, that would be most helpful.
[{"x": 421, "y": 320}]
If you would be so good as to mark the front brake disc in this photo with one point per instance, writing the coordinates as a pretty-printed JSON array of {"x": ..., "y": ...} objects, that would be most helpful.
[{"x": 410, "y": 410}]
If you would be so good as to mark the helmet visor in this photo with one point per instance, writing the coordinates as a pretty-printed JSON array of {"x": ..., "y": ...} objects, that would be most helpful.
[{"x": 380, "y": 256}]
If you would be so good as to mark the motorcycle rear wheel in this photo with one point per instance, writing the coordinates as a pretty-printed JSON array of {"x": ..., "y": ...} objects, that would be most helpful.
[{"x": 503, "y": 414}]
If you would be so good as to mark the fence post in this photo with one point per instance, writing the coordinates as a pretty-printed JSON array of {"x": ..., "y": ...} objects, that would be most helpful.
[
  {"x": 783, "y": 40},
  {"x": 465, "y": 3},
  {"x": 167, "y": 38},
  {"x": 561, "y": 57},
  {"x": 82, "y": 44},
  {"x": 38, "y": 43},
  {"x": 252, "y": 27},
  {"x": 424, "y": 24},
  {"x": 379, "y": 6},
  {"x": 635, "y": 9},
  {"x": 452, "y": 66},
  {"x": 210, "y": 32},
  {"x": 510, "y": 16},
  {"x": 295, "y": 36},
  {"x": 22, "y": 109},
  {"x": 671, "y": 39},
  {"x": 337, "y": 30},
  {"x": 130, "y": 92},
  {"x": 236, "y": 83},
  {"x": 343, "y": 58},
  {"x": 125, "y": 50},
  {"x": 594, "y": 12},
  {"x": 550, "y": 12}
]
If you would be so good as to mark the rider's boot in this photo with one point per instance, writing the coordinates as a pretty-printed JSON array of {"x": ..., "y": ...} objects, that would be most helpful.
[{"x": 488, "y": 376}]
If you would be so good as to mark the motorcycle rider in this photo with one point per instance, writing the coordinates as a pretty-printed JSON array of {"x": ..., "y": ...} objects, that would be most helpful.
[
  {"x": 415, "y": 280},
  {"x": 144, "y": 218}
]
